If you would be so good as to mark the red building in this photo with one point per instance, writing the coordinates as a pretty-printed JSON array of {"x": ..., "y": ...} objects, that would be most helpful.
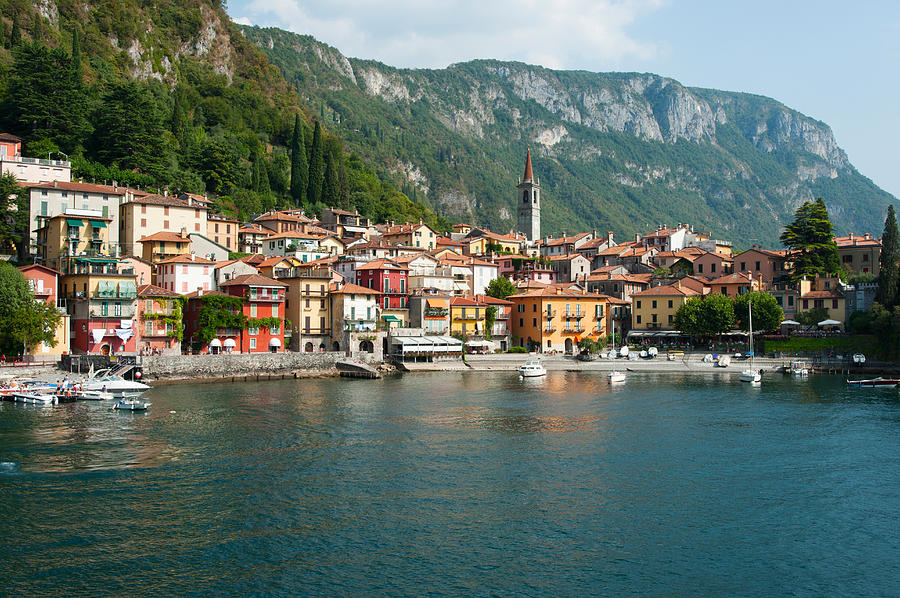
[
  {"x": 263, "y": 299},
  {"x": 44, "y": 283},
  {"x": 158, "y": 321},
  {"x": 389, "y": 278}
]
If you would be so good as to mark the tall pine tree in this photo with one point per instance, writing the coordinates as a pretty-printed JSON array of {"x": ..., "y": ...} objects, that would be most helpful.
[
  {"x": 299, "y": 164},
  {"x": 76, "y": 59},
  {"x": 15, "y": 34},
  {"x": 316, "y": 168},
  {"x": 887, "y": 265},
  {"x": 811, "y": 235},
  {"x": 343, "y": 186},
  {"x": 331, "y": 188}
]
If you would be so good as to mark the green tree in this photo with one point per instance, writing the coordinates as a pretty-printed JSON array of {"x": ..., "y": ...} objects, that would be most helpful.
[
  {"x": 887, "y": 266},
  {"x": 343, "y": 186},
  {"x": 811, "y": 235},
  {"x": 812, "y": 317},
  {"x": 77, "y": 78},
  {"x": 500, "y": 288},
  {"x": 709, "y": 316},
  {"x": 43, "y": 100},
  {"x": 299, "y": 164},
  {"x": 316, "y": 168},
  {"x": 130, "y": 132},
  {"x": 24, "y": 321},
  {"x": 13, "y": 216},
  {"x": 181, "y": 121},
  {"x": 331, "y": 187},
  {"x": 15, "y": 34},
  {"x": 767, "y": 314}
]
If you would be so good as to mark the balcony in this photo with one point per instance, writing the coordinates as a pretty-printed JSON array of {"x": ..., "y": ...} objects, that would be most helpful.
[
  {"x": 550, "y": 313},
  {"x": 436, "y": 312},
  {"x": 359, "y": 325},
  {"x": 576, "y": 315},
  {"x": 125, "y": 312},
  {"x": 575, "y": 330},
  {"x": 549, "y": 328}
]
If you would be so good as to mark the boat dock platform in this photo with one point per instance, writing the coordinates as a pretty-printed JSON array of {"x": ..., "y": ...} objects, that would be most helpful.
[{"x": 356, "y": 369}]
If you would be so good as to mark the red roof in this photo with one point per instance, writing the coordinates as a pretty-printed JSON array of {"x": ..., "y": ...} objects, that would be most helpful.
[
  {"x": 165, "y": 236},
  {"x": 88, "y": 187},
  {"x": 187, "y": 258},
  {"x": 668, "y": 290},
  {"x": 529, "y": 175},
  {"x": 354, "y": 289},
  {"x": 166, "y": 200},
  {"x": 151, "y": 290},
  {"x": 381, "y": 265}
]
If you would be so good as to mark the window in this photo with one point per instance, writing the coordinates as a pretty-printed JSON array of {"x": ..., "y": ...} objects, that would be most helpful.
[
  {"x": 206, "y": 270},
  {"x": 386, "y": 303},
  {"x": 653, "y": 305},
  {"x": 521, "y": 322},
  {"x": 534, "y": 307},
  {"x": 252, "y": 343},
  {"x": 757, "y": 266},
  {"x": 253, "y": 310},
  {"x": 724, "y": 290},
  {"x": 806, "y": 304},
  {"x": 148, "y": 328},
  {"x": 670, "y": 304},
  {"x": 534, "y": 322},
  {"x": 44, "y": 208},
  {"x": 653, "y": 316},
  {"x": 639, "y": 304},
  {"x": 671, "y": 318},
  {"x": 117, "y": 309},
  {"x": 143, "y": 209},
  {"x": 712, "y": 268},
  {"x": 148, "y": 305},
  {"x": 699, "y": 268},
  {"x": 834, "y": 304},
  {"x": 143, "y": 223},
  {"x": 196, "y": 227},
  {"x": 104, "y": 309},
  {"x": 274, "y": 311},
  {"x": 865, "y": 257},
  {"x": 638, "y": 318},
  {"x": 743, "y": 266},
  {"x": 521, "y": 307},
  {"x": 165, "y": 210},
  {"x": 276, "y": 329},
  {"x": 253, "y": 330},
  {"x": 166, "y": 224}
]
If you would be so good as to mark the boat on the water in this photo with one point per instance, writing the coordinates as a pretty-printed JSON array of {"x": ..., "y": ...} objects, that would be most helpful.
[
  {"x": 111, "y": 381},
  {"x": 751, "y": 374},
  {"x": 35, "y": 398},
  {"x": 616, "y": 376},
  {"x": 94, "y": 395},
  {"x": 875, "y": 382},
  {"x": 132, "y": 405},
  {"x": 532, "y": 369},
  {"x": 798, "y": 369}
]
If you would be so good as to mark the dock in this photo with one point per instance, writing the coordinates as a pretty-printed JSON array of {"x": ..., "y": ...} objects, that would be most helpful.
[{"x": 356, "y": 369}]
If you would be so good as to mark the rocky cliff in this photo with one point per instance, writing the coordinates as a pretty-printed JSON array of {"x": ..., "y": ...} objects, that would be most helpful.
[{"x": 614, "y": 150}]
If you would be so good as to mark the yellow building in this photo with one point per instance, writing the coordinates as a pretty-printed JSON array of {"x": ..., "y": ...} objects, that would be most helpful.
[
  {"x": 467, "y": 316},
  {"x": 655, "y": 308},
  {"x": 823, "y": 293},
  {"x": 555, "y": 319},
  {"x": 223, "y": 231},
  {"x": 75, "y": 233},
  {"x": 414, "y": 235},
  {"x": 150, "y": 214},
  {"x": 307, "y": 307},
  {"x": 163, "y": 245}
]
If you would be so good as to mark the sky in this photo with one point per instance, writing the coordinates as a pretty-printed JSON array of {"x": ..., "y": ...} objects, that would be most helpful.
[{"x": 835, "y": 61}]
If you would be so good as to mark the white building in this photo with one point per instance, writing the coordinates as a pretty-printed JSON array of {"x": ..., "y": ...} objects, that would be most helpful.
[
  {"x": 186, "y": 274},
  {"x": 30, "y": 170}
]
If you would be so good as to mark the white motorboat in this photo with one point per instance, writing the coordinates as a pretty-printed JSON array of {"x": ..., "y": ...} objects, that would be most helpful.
[
  {"x": 132, "y": 405},
  {"x": 532, "y": 369},
  {"x": 859, "y": 358},
  {"x": 750, "y": 374},
  {"x": 616, "y": 376},
  {"x": 35, "y": 398},
  {"x": 112, "y": 382},
  {"x": 798, "y": 369},
  {"x": 652, "y": 352},
  {"x": 94, "y": 395},
  {"x": 724, "y": 361}
]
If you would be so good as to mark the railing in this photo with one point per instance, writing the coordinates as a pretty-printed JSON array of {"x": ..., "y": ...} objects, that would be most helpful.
[
  {"x": 436, "y": 312},
  {"x": 550, "y": 329},
  {"x": 549, "y": 313},
  {"x": 573, "y": 330},
  {"x": 125, "y": 312},
  {"x": 575, "y": 315}
]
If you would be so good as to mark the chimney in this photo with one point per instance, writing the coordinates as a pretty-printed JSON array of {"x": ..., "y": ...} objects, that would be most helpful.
[
  {"x": 637, "y": 237},
  {"x": 193, "y": 257},
  {"x": 609, "y": 238},
  {"x": 594, "y": 233},
  {"x": 166, "y": 192},
  {"x": 200, "y": 292}
]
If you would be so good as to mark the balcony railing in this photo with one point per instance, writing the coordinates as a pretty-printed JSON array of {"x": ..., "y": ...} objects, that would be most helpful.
[
  {"x": 573, "y": 330},
  {"x": 125, "y": 312},
  {"x": 549, "y": 328},
  {"x": 575, "y": 315},
  {"x": 550, "y": 313}
]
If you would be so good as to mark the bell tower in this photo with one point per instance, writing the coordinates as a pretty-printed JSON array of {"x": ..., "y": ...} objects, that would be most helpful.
[{"x": 528, "y": 201}]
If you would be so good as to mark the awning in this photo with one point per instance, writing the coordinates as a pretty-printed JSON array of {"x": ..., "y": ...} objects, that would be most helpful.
[
  {"x": 790, "y": 323},
  {"x": 229, "y": 343},
  {"x": 274, "y": 342},
  {"x": 390, "y": 318},
  {"x": 74, "y": 222},
  {"x": 439, "y": 303},
  {"x": 215, "y": 342},
  {"x": 829, "y": 323},
  {"x": 98, "y": 224}
]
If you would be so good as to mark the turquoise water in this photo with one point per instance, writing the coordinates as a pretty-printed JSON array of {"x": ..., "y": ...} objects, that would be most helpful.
[{"x": 458, "y": 484}]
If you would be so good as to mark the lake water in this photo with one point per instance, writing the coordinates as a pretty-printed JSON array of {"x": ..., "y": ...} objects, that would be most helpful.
[{"x": 458, "y": 484}]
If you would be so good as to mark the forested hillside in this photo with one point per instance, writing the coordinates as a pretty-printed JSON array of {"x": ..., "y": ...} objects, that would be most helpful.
[
  {"x": 170, "y": 94},
  {"x": 617, "y": 151}
]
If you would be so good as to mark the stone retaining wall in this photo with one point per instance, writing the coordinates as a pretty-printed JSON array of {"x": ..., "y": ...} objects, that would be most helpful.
[{"x": 228, "y": 365}]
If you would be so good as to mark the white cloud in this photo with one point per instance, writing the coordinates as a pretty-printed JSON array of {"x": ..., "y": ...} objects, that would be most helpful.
[
  {"x": 242, "y": 21},
  {"x": 586, "y": 34}
]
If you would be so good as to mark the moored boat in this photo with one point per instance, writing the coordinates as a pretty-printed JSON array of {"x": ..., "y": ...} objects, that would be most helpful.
[
  {"x": 532, "y": 369},
  {"x": 616, "y": 376},
  {"x": 875, "y": 382},
  {"x": 132, "y": 405}
]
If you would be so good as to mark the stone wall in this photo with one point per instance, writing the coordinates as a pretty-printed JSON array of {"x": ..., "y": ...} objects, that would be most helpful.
[{"x": 228, "y": 365}]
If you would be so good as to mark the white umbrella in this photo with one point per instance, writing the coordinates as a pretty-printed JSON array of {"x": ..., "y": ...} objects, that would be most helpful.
[
  {"x": 790, "y": 323},
  {"x": 829, "y": 323}
]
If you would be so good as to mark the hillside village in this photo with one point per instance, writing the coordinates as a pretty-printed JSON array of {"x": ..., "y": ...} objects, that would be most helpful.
[{"x": 134, "y": 272}]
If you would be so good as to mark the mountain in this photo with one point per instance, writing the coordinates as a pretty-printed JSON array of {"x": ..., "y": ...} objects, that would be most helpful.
[
  {"x": 169, "y": 94},
  {"x": 614, "y": 151}
]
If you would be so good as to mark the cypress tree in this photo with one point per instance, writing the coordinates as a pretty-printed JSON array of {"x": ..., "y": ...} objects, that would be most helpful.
[
  {"x": 37, "y": 29},
  {"x": 181, "y": 121},
  {"x": 76, "y": 58},
  {"x": 316, "y": 168},
  {"x": 343, "y": 186},
  {"x": 299, "y": 164},
  {"x": 887, "y": 264},
  {"x": 331, "y": 188},
  {"x": 15, "y": 36},
  {"x": 263, "y": 175},
  {"x": 2, "y": 34}
]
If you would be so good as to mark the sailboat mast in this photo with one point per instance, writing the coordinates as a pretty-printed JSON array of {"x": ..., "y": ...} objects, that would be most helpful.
[{"x": 750, "y": 308}]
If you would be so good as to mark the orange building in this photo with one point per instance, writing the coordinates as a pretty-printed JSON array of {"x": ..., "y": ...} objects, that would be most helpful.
[{"x": 555, "y": 319}]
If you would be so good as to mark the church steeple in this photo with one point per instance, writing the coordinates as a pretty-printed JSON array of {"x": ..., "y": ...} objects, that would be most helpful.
[
  {"x": 529, "y": 176},
  {"x": 529, "y": 203}
]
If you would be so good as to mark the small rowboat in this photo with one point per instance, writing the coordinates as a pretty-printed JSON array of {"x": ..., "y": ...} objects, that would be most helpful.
[
  {"x": 132, "y": 405},
  {"x": 879, "y": 382}
]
